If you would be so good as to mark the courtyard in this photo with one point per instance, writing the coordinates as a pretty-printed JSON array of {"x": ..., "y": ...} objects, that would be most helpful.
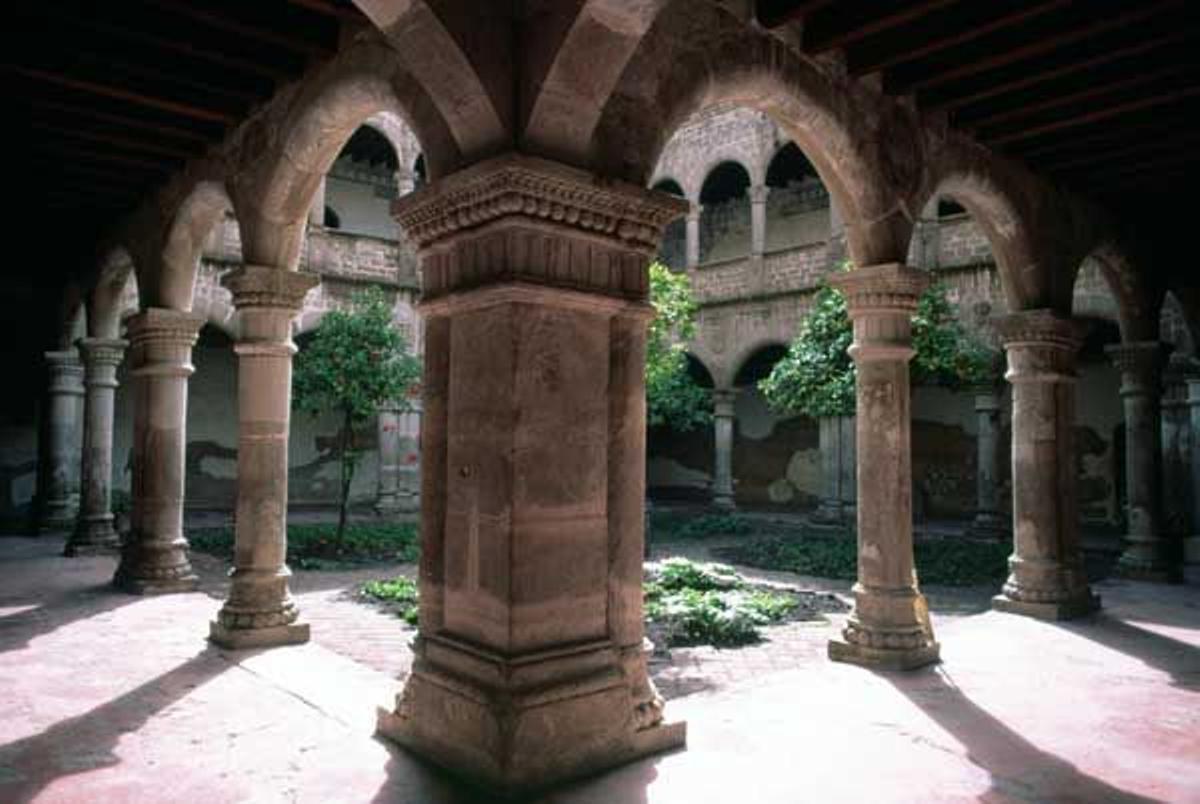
[{"x": 118, "y": 698}]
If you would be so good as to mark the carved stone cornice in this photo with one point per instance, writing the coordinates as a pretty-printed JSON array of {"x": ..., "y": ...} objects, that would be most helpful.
[
  {"x": 261, "y": 286},
  {"x": 518, "y": 218},
  {"x": 887, "y": 289},
  {"x": 1041, "y": 345},
  {"x": 102, "y": 352}
]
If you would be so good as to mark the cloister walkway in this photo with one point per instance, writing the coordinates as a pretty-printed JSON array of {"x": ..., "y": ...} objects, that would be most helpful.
[{"x": 107, "y": 697}]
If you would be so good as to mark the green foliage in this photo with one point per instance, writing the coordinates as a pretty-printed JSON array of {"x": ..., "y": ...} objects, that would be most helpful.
[
  {"x": 356, "y": 362},
  {"x": 316, "y": 546},
  {"x": 817, "y": 376},
  {"x": 673, "y": 398},
  {"x": 398, "y": 595},
  {"x": 671, "y": 525},
  {"x": 709, "y": 604},
  {"x": 944, "y": 562}
]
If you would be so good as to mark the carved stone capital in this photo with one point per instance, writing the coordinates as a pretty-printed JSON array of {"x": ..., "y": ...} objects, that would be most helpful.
[
  {"x": 724, "y": 400},
  {"x": 518, "y": 218},
  {"x": 161, "y": 341},
  {"x": 66, "y": 372},
  {"x": 758, "y": 194},
  {"x": 1041, "y": 345},
  {"x": 101, "y": 356},
  {"x": 881, "y": 300},
  {"x": 261, "y": 286},
  {"x": 1140, "y": 364}
]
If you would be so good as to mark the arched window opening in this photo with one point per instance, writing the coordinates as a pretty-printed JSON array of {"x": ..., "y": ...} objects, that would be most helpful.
[
  {"x": 332, "y": 220},
  {"x": 361, "y": 185},
  {"x": 673, "y": 252},
  {"x": 725, "y": 218},
  {"x": 798, "y": 203}
]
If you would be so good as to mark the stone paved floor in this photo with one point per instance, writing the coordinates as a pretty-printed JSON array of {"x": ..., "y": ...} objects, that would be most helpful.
[{"x": 110, "y": 698}]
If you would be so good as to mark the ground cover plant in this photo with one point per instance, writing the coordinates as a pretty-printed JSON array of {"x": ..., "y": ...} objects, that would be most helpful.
[
  {"x": 315, "y": 547},
  {"x": 398, "y": 595},
  {"x": 669, "y": 525}
]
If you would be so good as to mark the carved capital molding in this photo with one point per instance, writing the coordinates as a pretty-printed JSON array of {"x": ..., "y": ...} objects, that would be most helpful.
[
  {"x": 1041, "y": 345},
  {"x": 66, "y": 372},
  {"x": 881, "y": 290},
  {"x": 518, "y": 218},
  {"x": 1140, "y": 364},
  {"x": 161, "y": 342},
  {"x": 102, "y": 352},
  {"x": 261, "y": 286}
]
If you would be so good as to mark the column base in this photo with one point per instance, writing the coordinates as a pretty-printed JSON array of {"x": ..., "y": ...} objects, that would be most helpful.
[
  {"x": 1052, "y": 610},
  {"x": 1142, "y": 563},
  {"x": 56, "y": 516},
  {"x": 141, "y": 585},
  {"x": 267, "y": 637},
  {"x": 723, "y": 502},
  {"x": 884, "y": 658},
  {"x": 540, "y": 720},
  {"x": 1191, "y": 559},
  {"x": 93, "y": 536}
]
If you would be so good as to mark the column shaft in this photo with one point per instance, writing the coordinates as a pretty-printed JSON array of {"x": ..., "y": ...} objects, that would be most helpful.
[
  {"x": 1191, "y": 544},
  {"x": 693, "y": 236},
  {"x": 989, "y": 522},
  {"x": 387, "y": 499},
  {"x": 260, "y": 611},
  {"x": 1148, "y": 553},
  {"x": 890, "y": 624},
  {"x": 58, "y": 478},
  {"x": 94, "y": 531},
  {"x": 758, "y": 220},
  {"x": 154, "y": 557},
  {"x": 1046, "y": 577},
  {"x": 533, "y": 475},
  {"x": 723, "y": 419}
]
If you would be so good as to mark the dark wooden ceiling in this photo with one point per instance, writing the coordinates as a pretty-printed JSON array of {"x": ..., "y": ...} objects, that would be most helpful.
[{"x": 1100, "y": 94}]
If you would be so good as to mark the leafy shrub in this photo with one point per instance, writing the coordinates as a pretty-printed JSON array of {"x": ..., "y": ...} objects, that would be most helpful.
[
  {"x": 314, "y": 546},
  {"x": 399, "y": 595},
  {"x": 670, "y": 525}
]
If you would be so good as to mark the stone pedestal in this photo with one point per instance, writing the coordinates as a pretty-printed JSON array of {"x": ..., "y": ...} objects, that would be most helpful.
[
  {"x": 889, "y": 627},
  {"x": 530, "y": 663},
  {"x": 758, "y": 220},
  {"x": 693, "y": 236},
  {"x": 1191, "y": 544},
  {"x": 399, "y": 459},
  {"x": 836, "y": 441},
  {"x": 154, "y": 557},
  {"x": 723, "y": 419},
  {"x": 94, "y": 531},
  {"x": 1149, "y": 554},
  {"x": 260, "y": 611},
  {"x": 1046, "y": 577},
  {"x": 58, "y": 478},
  {"x": 989, "y": 522}
]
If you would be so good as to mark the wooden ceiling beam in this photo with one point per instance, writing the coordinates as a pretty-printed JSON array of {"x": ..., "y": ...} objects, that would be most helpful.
[
  {"x": 71, "y": 150},
  {"x": 1093, "y": 156},
  {"x": 774, "y": 13},
  {"x": 948, "y": 102},
  {"x": 225, "y": 22},
  {"x": 826, "y": 32},
  {"x": 1096, "y": 115},
  {"x": 328, "y": 9},
  {"x": 1037, "y": 47},
  {"x": 92, "y": 87},
  {"x": 931, "y": 45},
  {"x": 74, "y": 111},
  {"x": 113, "y": 139}
]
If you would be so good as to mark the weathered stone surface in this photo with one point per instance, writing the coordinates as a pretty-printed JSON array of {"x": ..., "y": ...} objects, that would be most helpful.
[
  {"x": 989, "y": 522},
  {"x": 723, "y": 418},
  {"x": 58, "y": 492}
]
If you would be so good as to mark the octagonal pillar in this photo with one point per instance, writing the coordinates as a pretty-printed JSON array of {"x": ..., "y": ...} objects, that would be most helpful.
[{"x": 530, "y": 661}]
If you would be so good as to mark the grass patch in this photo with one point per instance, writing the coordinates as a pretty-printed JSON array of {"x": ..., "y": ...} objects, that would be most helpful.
[
  {"x": 312, "y": 547},
  {"x": 672, "y": 525},
  {"x": 944, "y": 562},
  {"x": 398, "y": 596}
]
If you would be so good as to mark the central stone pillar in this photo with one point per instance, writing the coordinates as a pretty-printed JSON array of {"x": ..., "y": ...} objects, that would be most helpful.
[
  {"x": 1046, "y": 577},
  {"x": 723, "y": 418},
  {"x": 1148, "y": 552},
  {"x": 260, "y": 611},
  {"x": 58, "y": 479},
  {"x": 758, "y": 220},
  {"x": 399, "y": 458},
  {"x": 836, "y": 444},
  {"x": 693, "y": 235},
  {"x": 94, "y": 531},
  {"x": 530, "y": 661},
  {"x": 889, "y": 627},
  {"x": 989, "y": 522},
  {"x": 154, "y": 557},
  {"x": 1191, "y": 543}
]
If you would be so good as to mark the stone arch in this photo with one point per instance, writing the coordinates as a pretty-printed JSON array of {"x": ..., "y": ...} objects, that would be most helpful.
[
  {"x": 699, "y": 370},
  {"x": 72, "y": 319},
  {"x": 753, "y": 364},
  {"x": 673, "y": 251},
  {"x": 110, "y": 297},
  {"x": 667, "y": 184},
  {"x": 753, "y": 168},
  {"x": 1093, "y": 297},
  {"x": 286, "y": 158},
  {"x": 170, "y": 281},
  {"x": 778, "y": 165},
  {"x": 729, "y": 373},
  {"x": 696, "y": 55},
  {"x": 1137, "y": 310},
  {"x": 1175, "y": 328},
  {"x": 724, "y": 200}
]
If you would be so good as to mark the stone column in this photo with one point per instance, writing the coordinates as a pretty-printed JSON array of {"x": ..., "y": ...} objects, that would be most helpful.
[
  {"x": 1191, "y": 544},
  {"x": 58, "y": 477},
  {"x": 260, "y": 611},
  {"x": 533, "y": 475},
  {"x": 723, "y": 418},
  {"x": 889, "y": 627},
  {"x": 399, "y": 458},
  {"x": 94, "y": 531},
  {"x": 1176, "y": 441},
  {"x": 154, "y": 557},
  {"x": 835, "y": 437},
  {"x": 410, "y": 457},
  {"x": 693, "y": 235},
  {"x": 758, "y": 220},
  {"x": 316, "y": 213},
  {"x": 989, "y": 523},
  {"x": 1046, "y": 577},
  {"x": 1148, "y": 554}
]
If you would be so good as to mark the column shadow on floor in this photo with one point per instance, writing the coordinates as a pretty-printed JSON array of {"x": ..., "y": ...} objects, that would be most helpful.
[
  {"x": 1178, "y": 659},
  {"x": 87, "y": 742},
  {"x": 46, "y": 615},
  {"x": 1019, "y": 770}
]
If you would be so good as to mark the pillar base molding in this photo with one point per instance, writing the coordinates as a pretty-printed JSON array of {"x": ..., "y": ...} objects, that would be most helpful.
[
  {"x": 515, "y": 724},
  {"x": 93, "y": 536},
  {"x": 884, "y": 658},
  {"x": 1053, "y": 611},
  {"x": 152, "y": 568},
  {"x": 725, "y": 503},
  {"x": 1191, "y": 559},
  {"x": 57, "y": 517},
  {"x": 1156, "y": 568},
  {"x": 268, "y": 637}
]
